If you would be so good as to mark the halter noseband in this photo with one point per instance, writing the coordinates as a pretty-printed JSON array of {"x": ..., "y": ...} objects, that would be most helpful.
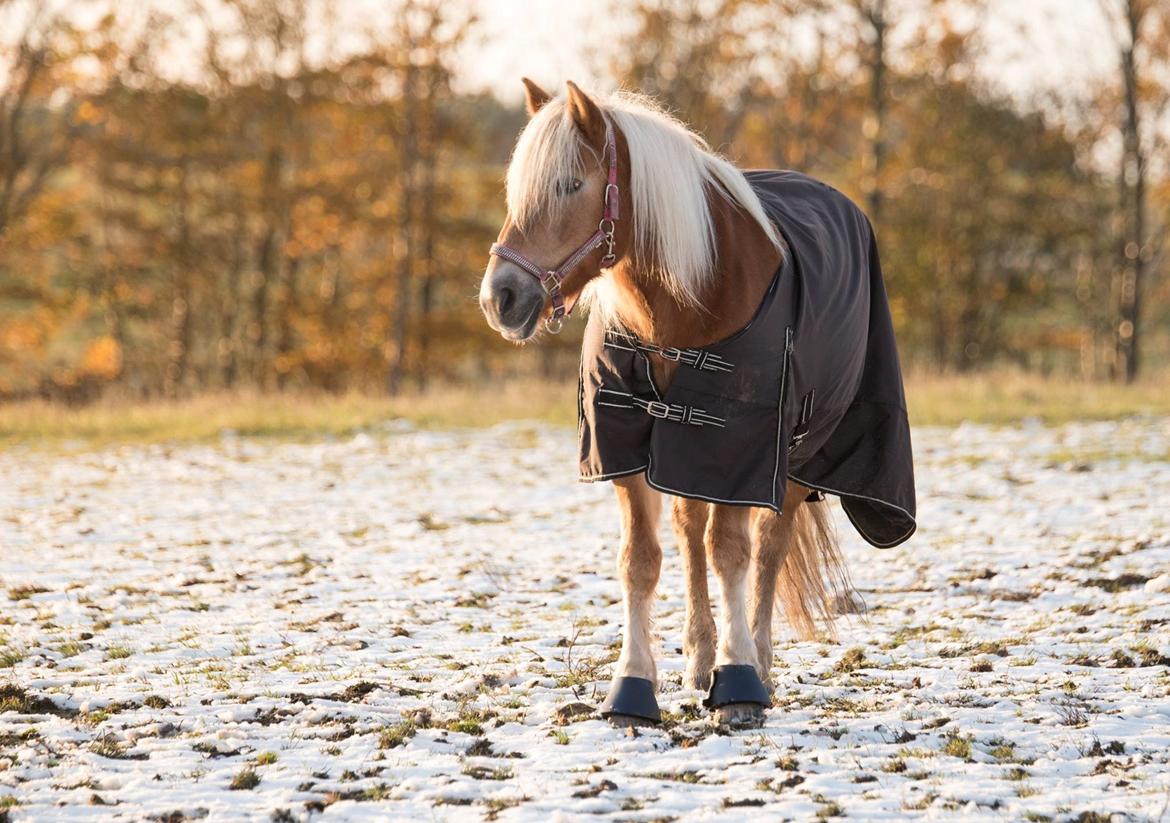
[{"x": 552, "y": 279}]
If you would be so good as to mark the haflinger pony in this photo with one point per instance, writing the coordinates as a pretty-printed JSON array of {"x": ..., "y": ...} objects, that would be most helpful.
[{"x": 739, "y": 356}]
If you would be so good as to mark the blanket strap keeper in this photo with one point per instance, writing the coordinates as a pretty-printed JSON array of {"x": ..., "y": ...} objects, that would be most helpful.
[
  {"x": 673, "y": 412},
  {"x": 699, "y": 359}
]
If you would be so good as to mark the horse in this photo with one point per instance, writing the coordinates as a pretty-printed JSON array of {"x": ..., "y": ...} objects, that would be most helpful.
[{"x": 738, "y": 359}]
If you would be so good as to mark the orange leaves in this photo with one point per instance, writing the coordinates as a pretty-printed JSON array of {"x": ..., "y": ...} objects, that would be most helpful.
[
  {"x": 89, "y": 114},
  {"x": 103, "y": 358},
  {"x": 22, "y": 335}
]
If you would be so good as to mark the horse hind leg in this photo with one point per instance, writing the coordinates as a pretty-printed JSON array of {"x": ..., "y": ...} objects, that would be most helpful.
[
  {"x": 796, "y": 563},
  {"x": 631, "y": 696},
  {"x": 772, "y": 538},
  {"x": 737, "y": 696},
  {"x": 689, "y": 519}
]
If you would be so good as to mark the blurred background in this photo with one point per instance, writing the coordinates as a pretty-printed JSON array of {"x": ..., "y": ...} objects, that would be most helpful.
[{"x": 208, "y": 196}]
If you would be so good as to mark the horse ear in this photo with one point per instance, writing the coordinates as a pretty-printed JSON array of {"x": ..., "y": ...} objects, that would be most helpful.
[
  {"x": 534, "y": 96},
  {"x": 586, "y": 115}
]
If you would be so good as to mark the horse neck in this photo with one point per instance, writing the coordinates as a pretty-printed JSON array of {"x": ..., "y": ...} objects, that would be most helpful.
[{"x": 746, "y": 262}]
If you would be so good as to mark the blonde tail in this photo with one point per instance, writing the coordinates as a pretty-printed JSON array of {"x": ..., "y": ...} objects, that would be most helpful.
[{"x": 813, "y": 579}]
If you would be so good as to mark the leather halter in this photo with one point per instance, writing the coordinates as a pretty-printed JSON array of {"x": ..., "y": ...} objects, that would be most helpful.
[{"x": 552, "y": 279}]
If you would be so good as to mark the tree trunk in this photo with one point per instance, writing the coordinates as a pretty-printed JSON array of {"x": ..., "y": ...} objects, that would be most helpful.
[
  {"x": 267, "y": 257},
  {"x": 430, "y": 163},
  {"x": 874, "y": 126},
  {"x": 334, "y": 318},
  {"x": 258, "y": 329},
  {"x": 227, "y": 354},
  {"x": 1133, "y": 189},
  {"x": 284, "y": 339},
  {"x": 405, "y": 278},
  {"x": 179, "y": 344},
  {"x": 1086, "y": 286}
]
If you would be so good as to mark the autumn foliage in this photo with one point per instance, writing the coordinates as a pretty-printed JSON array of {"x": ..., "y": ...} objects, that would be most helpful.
[{"x": 295, "y": 199}]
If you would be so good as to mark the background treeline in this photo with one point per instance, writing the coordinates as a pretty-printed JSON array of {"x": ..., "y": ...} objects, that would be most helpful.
[{"x": 308, "y": 202}]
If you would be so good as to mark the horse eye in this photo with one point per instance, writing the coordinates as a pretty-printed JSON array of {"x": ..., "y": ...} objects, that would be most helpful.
[{"x": 571, "y": 187}]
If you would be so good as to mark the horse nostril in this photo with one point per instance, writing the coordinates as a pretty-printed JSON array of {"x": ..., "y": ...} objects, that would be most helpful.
[{"x": 504, "y": 300}]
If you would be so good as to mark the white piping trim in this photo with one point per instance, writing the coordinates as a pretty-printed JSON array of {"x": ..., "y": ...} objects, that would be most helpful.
[
  {"x": 841, "y": 494},
  {"x": 590, "y": 478},
  {"x": 773, "y": 506},
  {"x": 659, "y": 487},
  {"x": 788, "y": 335}
]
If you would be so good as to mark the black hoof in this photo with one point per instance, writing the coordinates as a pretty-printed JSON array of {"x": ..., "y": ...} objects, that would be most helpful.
[
  {"x": 631, "y": 697},
  {"x": 737, "y": 684}
]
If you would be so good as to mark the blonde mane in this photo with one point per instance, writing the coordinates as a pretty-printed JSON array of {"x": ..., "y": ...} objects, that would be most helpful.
[{"x": 671, "y": 169}]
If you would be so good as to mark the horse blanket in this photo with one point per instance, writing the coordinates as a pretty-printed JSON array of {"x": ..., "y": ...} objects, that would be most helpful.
[{"x": 809, "y": 390}]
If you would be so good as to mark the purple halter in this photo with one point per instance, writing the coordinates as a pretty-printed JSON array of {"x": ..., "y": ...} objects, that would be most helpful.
[{"x": 552, "y": 279}]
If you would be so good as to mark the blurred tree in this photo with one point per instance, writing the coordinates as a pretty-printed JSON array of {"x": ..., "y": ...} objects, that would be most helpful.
[
  {"x": 935, "y": 30},
  {"x": 798, "y": 113},
  {"x": 987, "y": 211},
  {"x": 307, "y": 203},
  {"x": 38, "y": 121},
  {"x": 873, "y": 17},
  {"x": 428, "y": 35},
  {"x": 1141, "y": 35},
  {"x": 699, "y": 57}
]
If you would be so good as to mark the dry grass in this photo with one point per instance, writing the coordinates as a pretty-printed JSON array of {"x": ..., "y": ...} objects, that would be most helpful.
[
  {"x": 301, "y": 415},
  {"x": 997, "y": 398},
  {"x": 1001, "y": 397}
]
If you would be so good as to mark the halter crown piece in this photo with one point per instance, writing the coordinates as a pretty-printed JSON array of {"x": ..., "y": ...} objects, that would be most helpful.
[{"x": 552, "y": 279}]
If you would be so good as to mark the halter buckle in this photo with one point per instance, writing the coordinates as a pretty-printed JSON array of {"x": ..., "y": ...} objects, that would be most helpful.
[
  {"x": 554, "y": 325},
  {"x": 550, "y": 277},
  {"x": 670, "y": 353}
]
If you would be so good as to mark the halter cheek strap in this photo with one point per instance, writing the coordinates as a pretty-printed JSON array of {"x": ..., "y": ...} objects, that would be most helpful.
[{"x": 551, "y": 279}]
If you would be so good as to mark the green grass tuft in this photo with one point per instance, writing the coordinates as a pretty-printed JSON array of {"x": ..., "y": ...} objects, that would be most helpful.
[
  {"x": 958, "y": 747},
  {"x": 244, "y": 780},
  {"x": 18, "y": 593},
  {"x": 397, "y": 735}
]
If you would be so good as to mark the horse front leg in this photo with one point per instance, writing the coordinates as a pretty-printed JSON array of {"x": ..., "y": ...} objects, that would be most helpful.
[
  {"x": 631, "y": 695},
  {"x": 737, "y": 695},
  {"x": 689, "y": 519}
]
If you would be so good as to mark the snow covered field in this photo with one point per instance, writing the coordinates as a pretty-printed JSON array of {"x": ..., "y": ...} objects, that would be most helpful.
[{"x": 415, "y": 625}]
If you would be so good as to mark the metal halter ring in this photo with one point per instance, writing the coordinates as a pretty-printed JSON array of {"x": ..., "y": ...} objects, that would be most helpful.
[{"x": 607, "y": 238}]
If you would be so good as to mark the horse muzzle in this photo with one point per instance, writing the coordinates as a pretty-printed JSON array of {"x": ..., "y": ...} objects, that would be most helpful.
[{"x": 511, "y": 301}]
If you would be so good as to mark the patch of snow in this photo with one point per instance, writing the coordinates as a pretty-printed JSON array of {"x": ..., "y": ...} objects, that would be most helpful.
[{"x": 384, "y": 628}]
